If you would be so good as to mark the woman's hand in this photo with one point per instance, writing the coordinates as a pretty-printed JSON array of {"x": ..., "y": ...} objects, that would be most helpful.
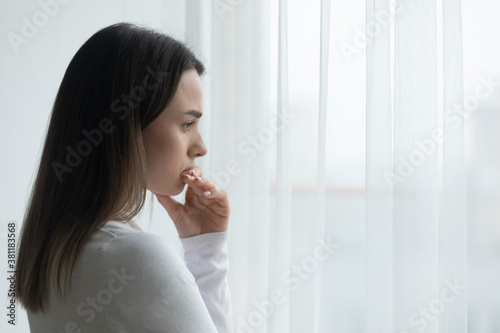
[{"x": 200, "y": 213}]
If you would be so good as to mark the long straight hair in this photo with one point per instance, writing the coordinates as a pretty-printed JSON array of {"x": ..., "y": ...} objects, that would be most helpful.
[{"x": 93, "y": 168}]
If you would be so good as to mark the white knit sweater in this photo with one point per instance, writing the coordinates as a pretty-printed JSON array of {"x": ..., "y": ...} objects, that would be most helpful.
[{"x": 129, "y": 281}]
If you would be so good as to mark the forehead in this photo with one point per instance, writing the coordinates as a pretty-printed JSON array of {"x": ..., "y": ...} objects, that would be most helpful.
[
  {"x": 188, "y": 95},
  {"x": 189, "y": 87}
]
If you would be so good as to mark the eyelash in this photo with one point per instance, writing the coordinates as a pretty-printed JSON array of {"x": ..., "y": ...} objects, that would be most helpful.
[{"x": 191, "y": 123}]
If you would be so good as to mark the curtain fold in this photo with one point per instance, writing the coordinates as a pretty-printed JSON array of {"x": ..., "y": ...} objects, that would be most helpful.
[
  {"x": 321, "y": 158},
  {"x": 416, "y": 221},
  {"x": 280, "y": 254},
  {"x": 415, "y": 206},
  {"x": 378, "y": 191},
  {"x": 240, "y": 131},
  {"x": 453, "y": 215}
]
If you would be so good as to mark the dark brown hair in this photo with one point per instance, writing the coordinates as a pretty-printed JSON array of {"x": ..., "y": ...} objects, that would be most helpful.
[{"x": 93, "y": 168}]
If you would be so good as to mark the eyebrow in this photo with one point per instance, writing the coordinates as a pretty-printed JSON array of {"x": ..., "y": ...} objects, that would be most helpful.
[{"x": 194, "y": 113}]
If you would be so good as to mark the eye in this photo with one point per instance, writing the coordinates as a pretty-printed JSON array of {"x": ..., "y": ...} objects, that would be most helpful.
[{"x": 187, "y": 125}]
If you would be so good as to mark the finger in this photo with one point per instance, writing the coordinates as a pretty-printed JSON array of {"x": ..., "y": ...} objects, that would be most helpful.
[
  {"x": 198, "y": 172},
  {"x": 195, "y": 171},
  {"x": 200, "y": 185},
  {"x": 220, "y": 196}
]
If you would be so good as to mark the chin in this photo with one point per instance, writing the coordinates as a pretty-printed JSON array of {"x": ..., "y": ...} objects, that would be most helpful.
[
  {"x": 172, "y": 190},
  {"x": 175, "y": 190},
  {"x": 178, "y": 189}
]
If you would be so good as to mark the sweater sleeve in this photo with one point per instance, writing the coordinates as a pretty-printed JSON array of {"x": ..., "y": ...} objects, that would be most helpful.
[
  {"x": 207, "y": 258},
  {"x": 146, "y": 287}
]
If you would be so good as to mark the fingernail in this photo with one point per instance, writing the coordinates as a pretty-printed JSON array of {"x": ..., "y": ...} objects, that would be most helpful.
[
  {"x": 207, "y": 193},
  {"x": 191, "y": 172},
  {"x": 199, "y": 178}
]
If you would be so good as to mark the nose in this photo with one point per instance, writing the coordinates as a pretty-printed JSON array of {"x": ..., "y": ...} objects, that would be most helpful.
[
  {"x": 201, "y": 152},
  {"x": 199, "y": 148}
]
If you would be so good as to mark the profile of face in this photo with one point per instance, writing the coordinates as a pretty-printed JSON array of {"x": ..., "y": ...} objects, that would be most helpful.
[{"x": 173, "y": 141}]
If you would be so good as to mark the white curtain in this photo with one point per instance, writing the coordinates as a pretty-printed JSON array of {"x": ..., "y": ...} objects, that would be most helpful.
[
  {"x": 415, "y": 172},
  {"x": 416, "y": 226},
  {"x": 346, "y": 179}
]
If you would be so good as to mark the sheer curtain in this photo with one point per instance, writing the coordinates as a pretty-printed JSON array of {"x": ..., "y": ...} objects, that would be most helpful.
[
  {"x": 345, "y": 175},
  {"x": 415, "y": 227},
  {"x": 415, "y": 194},
  {"x": 415, "y": 274}
]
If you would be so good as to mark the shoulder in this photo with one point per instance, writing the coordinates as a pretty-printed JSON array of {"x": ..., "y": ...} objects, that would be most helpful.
[
  {"x": 140, "y": 251},
  {"x": 121, "y": 239},
  {"x": 145, "y": 286}
]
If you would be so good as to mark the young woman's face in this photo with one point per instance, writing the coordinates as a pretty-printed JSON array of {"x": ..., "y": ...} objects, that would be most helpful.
[{"x": 171, "y": 142}]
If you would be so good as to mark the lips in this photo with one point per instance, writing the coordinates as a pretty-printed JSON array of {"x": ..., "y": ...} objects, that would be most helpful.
[{"x": 186, "y": 170}]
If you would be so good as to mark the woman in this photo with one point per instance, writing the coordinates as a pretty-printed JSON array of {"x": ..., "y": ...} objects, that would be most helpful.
[{"x": 125, "y": 119}]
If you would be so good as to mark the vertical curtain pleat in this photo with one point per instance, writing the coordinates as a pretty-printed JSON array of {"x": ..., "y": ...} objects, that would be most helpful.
[
  {"x": 415, "y": 208},
  {"x": 321, "y": 159},
  {"x": 250, "y": 181},
  {"x": 225, "y": 74},
  {"x": 453, "y": 222},
  {"x": 415, "y": 219},
  {"x": 199, "y": 38},
  {"x": 280, "y": 322},
  {"x": 242, "y": 18},
  {"x": 378, "y": 191}
]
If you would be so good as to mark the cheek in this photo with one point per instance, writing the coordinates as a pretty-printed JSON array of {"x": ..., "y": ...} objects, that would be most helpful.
[{"x": 167, "y": 153}]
